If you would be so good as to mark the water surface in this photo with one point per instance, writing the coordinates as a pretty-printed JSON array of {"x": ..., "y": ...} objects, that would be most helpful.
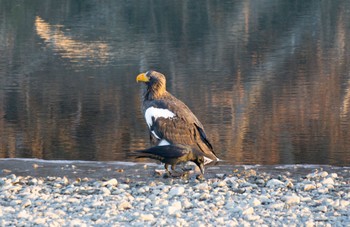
[{"x": 269, "y": 80}]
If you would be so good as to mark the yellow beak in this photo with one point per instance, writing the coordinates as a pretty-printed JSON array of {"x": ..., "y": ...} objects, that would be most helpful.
[{"x": 142, "y": 78}]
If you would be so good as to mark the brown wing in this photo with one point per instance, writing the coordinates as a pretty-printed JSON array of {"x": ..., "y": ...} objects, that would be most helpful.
[
  {"x": 184, "y": 128},
  {"x": 179, "y": 130}
]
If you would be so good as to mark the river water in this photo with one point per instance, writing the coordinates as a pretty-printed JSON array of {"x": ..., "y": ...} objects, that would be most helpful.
[{"x": 269, "y": 80}]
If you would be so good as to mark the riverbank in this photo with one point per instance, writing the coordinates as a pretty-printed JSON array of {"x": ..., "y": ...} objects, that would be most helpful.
[{"x": 56, "y": 193}]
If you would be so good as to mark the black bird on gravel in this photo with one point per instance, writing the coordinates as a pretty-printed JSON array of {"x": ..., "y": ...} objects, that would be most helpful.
[
  {"x": 169, "y": 120},
  {"x": 173, "y": 155}
]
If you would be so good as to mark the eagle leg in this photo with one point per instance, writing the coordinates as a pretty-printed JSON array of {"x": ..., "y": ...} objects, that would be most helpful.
[
  {"x": 175, "y": 173},
  {"x": 167, "y": 170}
]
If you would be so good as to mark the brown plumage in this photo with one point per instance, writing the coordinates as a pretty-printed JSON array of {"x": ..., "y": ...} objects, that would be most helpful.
[{"x": 169, "y": 120}]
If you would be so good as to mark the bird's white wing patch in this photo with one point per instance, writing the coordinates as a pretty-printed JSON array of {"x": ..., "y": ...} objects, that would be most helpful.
[
  {"x": 155, "y": 113},
  {"x": 163, "y": 142},
  {"x": 155, "y": 134},
  {"x": 207, "y": 160}
]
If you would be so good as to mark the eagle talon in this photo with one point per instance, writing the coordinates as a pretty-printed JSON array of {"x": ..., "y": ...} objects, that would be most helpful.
[{"x": 200, "y": 177}]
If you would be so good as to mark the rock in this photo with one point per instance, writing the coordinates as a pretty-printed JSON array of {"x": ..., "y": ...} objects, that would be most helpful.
[
  {"x": 322, "y": 208},
  {"x": 23, "y": 214},
  {"x": 309, "y": 223},
  {"x": 274, "y": 183},
  {"x": 220, "y": 175},
  {"x": 176, "y": 191},
  {"x": 293, "y": 199},
  {"x": 146, "y": 217},
  {"x": 174, "y": 207},
  {"x": 123, "y": 186},
  {"x": 187, "y": 204},
  {"x": 26, "y": 203},
  {"x": 308, "y": 187},
  {"x": 111, "y": 182},
  {"x": 328, "y": 180},
  {"x": 221, "y": 184},
  {"x": 255, "y": 202},
  {"x": 344, "y": 203},
  {"x": 322, "y": 174},
  {"x": 124, "y": 205},
  {"x": 105, "y": 191},
  {"x": 277, "y": 205},
  {"x": 203, "y": 186},
  {"x": 40, "y": 221},
  {"x": 248, "y": 211}
]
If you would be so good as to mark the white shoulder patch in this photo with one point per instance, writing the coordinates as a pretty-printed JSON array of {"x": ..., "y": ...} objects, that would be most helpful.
[
  {"x": 155, "y": 113},
  {"x": 163, "y": 142}
]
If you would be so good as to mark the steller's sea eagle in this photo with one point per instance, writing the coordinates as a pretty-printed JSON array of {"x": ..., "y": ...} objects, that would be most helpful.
[{"x": 169, "y": 120}]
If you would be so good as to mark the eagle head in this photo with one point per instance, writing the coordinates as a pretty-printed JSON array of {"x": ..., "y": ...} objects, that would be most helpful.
[{"x": 155, "y": 81}]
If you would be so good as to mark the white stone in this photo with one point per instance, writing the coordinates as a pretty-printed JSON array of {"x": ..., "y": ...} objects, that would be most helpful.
[
  {"x": 309, "y": 223},
  {"x": 255, "y": 202},
  {"x": 174, "y": 207},
  {"x": 40, "y": 221},
  {"x": 323, "y": 174},
  {"x": 203, "y": 186},
  {"x": 277, "y": 205},
  {"x": 105, "y": 191},
  {"x": 26, "y": 203},
  {"x": 146, "y": 217},
  {"x": 186, "y": 203},
  {"x": 273, "y": 183},
  {"x": 123, "y": 186},
  {"x": 77, "y": 222},
  {"x": 176, "y": 191},
  {"x": 344, "y": 203},
  {"x": 323, "y": 190},
  {"x": 221, "y": 184},
  {"x": 308, "y": 187},
  {"x": 124, "y": 205},
  {"x": 22, "y": 214},
  {"x": 112, "y": 182},
  {"x": 322, "y": 208},
  {"x": 293, "y": 199},
  {"x": 328, "y": 181},
  {"x": 334, "y": 175},
  {"x": 248, "y": 211}
]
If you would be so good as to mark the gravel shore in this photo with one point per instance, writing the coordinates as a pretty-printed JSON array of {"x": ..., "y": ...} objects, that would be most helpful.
[{"x": 135, "y": 195}]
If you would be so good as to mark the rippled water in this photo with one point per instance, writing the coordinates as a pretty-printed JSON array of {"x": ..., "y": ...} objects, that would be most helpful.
[{"x": 269, "y": 80}]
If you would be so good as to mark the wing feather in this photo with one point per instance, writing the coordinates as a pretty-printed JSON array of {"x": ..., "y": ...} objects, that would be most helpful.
[{"x": 168, "y": 151}]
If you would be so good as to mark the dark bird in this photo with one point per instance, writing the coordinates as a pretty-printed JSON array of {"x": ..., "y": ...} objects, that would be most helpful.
[
  {"x": 173, "y": 155},
  {"x": 169, "y": 120}
]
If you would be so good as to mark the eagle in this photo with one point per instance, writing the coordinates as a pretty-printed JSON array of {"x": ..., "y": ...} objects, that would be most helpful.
[
  {"x": 173, "y": 155},
  {"x": 169, "y": 120}
]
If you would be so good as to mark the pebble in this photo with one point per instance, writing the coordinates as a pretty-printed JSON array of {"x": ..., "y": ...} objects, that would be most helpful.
[
  {"x": 174, "y": 207},
  {"x": 293, "y": 199},
  {"x": 249, "y": 198},
  {"x": 328, "y": 180},
  {"x": 176, "y": 191},
  {"x": 308, "y": 187},
  {"x": 146, "y": 217},
  {"x": 111, "y": 182},
  {"x": 274, "y": 183}
]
